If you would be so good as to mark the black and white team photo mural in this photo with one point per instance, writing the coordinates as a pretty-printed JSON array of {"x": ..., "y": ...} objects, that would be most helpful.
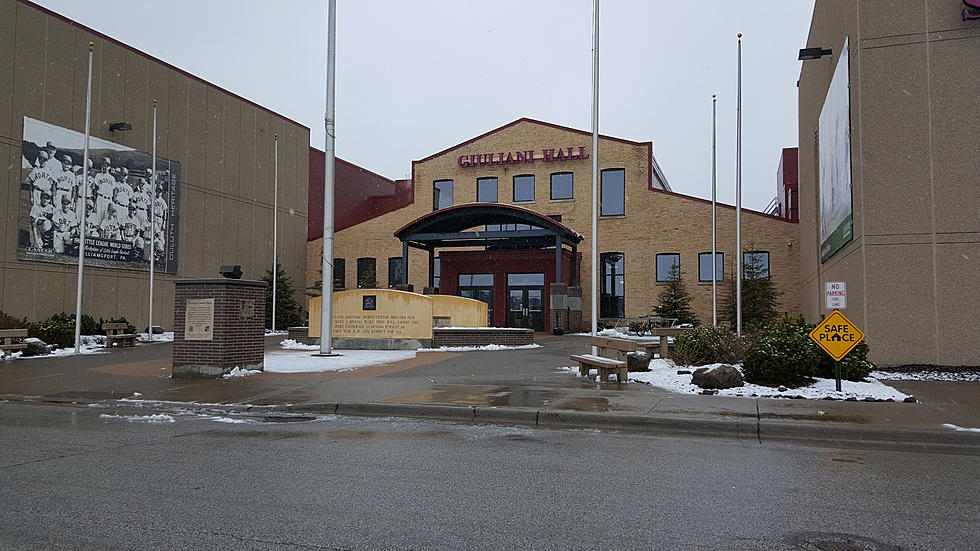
[{"x": 128, "y": 214}]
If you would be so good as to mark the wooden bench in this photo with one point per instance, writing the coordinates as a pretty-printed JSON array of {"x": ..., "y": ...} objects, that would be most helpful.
[
  {"x": 611, "y": 347},
  {"x": 114, "y": 334},
  {"x": 661, "y": 347},
  {"x": 11, "y": 340},
  {"x": 605, "y": 367}
]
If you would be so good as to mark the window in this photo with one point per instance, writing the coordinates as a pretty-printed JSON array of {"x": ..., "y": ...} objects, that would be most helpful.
[
  {"x": 486, "y": 190},
  {"x": 523, "y": 188},
  {"x": 613, "y": 193},
  {"x": 367, "y": 273},
  {"x": 395, "y": 271},
  {"x": 755, "y": 265},
  {"x": 669, "y": 267},
  {"x": 436, "y": 269},
  {"x": 339, "y": 279},
  {"x": 476, "y": 280},
  {"x": 613, "y": 286},
  {"x": 525, "y": 280},
  {"x": 509, "y": 227},
  {"x": 555, "y": 217},
  {"x": 442, "y": 194},
  {"x": 704, "y": 267},
  {"x": 561, "y": 185}
]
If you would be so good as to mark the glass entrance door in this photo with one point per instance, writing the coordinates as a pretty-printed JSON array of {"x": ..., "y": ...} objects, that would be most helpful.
[
  {"x": 525, "y": 301},
  {"x": 478, "y": 287}
]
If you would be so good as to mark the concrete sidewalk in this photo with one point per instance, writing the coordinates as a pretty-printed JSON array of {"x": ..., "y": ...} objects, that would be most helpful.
[{"x": 513, "y": 386}]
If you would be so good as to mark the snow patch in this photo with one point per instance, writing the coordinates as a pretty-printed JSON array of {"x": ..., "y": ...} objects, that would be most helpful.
[
  {"x": 487, "y": 347},
  {"x": 961, "y": 429},
  {"x": 166, "y": 336},
  {"x": 927, "y": 375},
  {"x": 291, "y": 344},
  {"x": 274, "y": 333},
  {"x": 155, "y": 418},
  {"x": 239, "y": 372},
  {"x": 295, "y": 361}
]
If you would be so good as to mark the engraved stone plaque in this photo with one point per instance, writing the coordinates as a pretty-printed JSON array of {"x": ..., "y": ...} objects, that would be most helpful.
[
  {"x": 246, "y": 309},
  {"x": 199, "y": 319}
]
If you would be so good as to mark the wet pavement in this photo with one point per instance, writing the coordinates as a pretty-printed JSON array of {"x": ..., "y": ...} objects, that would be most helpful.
[{"x": 529, "y": 378}]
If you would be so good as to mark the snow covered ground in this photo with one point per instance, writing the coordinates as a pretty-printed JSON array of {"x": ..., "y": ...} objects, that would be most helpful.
[
  {"x": 663, "y": 374},
  {"x": 302, "y": 361},
  {"x": 166, "y": 336},
  {"x": 622, "y": 335},
  {"x": 155, "y": 418},
  {"x": 927, "y": 375},
  {"x": 269, "y": 333},
  {"x": 487, "y": 347},
  {"x": 91, "y": 344}
]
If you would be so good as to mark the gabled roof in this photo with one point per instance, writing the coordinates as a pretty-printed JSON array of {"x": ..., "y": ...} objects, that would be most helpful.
[{"x": 532, "y": 121}]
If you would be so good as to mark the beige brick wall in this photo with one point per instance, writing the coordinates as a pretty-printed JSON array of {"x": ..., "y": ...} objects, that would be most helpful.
[{"x": 655, "y": 222}]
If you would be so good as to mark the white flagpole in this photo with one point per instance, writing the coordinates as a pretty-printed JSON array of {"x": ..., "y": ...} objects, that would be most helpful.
[
  {"x": 738, "y": 199},
  {"x": 714, "y": 210},
  {"x": 326, "y": 290},
  {"x": 153, "y": 197},
  {"x": 81, "y": 233},
  {"x": 595, "y": 171},
  {"x": 275, "y": 228}
]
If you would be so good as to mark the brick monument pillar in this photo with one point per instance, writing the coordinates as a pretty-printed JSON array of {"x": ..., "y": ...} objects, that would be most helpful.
[{"x": 219, "y": 324}]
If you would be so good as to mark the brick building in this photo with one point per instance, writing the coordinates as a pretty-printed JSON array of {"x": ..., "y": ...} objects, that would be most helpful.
[{"x": 522, "y": 191}]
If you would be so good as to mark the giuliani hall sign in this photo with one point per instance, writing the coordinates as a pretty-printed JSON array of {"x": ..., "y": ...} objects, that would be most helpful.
[{"x": 521, "y": 157}]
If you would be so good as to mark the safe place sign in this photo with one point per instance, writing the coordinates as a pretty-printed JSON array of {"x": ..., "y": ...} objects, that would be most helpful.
[{"x": 836, "y": 335}]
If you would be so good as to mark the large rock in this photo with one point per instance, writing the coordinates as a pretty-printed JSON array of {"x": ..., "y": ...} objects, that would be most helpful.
[
  {"x": 36, "y": 347},
  {"x": 723, "y": 376},
  {"x": 637, "y": 361}
]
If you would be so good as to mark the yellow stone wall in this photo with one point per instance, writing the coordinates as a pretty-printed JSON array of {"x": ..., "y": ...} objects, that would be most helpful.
[{"x": 462, "y": 312}]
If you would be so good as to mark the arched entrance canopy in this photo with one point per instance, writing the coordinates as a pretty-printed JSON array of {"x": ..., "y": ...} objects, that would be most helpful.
[{"x": 447, "y": 228}]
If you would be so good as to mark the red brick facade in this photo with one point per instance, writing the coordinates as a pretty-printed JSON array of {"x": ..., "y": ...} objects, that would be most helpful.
[{"x": 238, "y": 338}]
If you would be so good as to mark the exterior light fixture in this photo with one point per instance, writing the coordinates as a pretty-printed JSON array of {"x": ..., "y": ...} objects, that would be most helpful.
[
  {"x": 231, "y": 272},
  {"x": 807, "y": 54},
  {"x": 120, "y": 126}
]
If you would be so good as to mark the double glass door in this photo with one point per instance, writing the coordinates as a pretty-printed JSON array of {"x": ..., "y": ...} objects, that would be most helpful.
[{"x": 525, "y": 301}]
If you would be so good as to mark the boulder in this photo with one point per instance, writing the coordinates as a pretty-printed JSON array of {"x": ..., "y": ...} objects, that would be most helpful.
[
  {"x": 723, "y": 376},
  {"x": 637, "y": 361},
  {"x": 36, "y": 347}
]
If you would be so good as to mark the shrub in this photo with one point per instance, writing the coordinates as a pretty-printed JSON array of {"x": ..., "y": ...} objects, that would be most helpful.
[
  {"x": 707, "y": 344},
  {"x": 781, "y": 354},
  {"x": 58, "y": 329},
  {"x": 10, "y": 322}
]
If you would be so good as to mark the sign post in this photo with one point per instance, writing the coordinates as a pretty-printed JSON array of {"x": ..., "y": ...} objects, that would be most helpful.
[{"x": 837, "y": 336}]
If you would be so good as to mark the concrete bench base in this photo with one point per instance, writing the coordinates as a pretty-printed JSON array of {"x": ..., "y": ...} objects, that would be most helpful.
[{"x": 123, "y": 340}]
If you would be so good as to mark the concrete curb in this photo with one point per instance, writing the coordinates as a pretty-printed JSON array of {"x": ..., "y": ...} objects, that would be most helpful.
[
  {"x": 744, "y": 429},
  {"x": 739, "y": 428}
]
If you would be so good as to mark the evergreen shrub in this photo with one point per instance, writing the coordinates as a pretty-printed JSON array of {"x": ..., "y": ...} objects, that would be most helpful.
[
  {"x": 706, "y": 345},
  {"x": 781, "y": 354}
]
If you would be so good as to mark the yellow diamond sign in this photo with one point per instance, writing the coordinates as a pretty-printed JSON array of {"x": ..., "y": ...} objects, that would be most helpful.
[{"x": 836, "y": 335}]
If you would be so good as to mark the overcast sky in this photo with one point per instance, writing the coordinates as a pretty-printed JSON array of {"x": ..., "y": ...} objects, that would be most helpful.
[{"x": 415, "y": 77}]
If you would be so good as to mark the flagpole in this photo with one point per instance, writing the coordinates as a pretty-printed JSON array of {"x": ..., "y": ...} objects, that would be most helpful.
[
  {"x": 81, "y": 233},
  {"x": 153, "y": 188},
  {"x": 714, "y": 210},
  {"x": 738, "y": 198},
  {"x": 326, "y": 257},
  {"x": 595, "y": 170},
  {"x": 275, "y": 229}
]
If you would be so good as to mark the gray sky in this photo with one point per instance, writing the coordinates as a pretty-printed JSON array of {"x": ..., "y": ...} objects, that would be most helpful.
[{"x": 415, "y": 77}]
